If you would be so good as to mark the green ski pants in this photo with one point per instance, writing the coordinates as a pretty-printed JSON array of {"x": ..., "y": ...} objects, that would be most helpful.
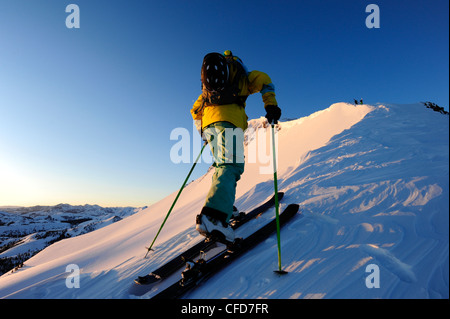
[{"x": 227, "y": 146}]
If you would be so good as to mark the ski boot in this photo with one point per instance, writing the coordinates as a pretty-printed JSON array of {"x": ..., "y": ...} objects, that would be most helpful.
[{"x": 211, "y": 224}]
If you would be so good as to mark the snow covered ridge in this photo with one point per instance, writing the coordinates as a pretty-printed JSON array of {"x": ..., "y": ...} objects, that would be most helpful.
[
  {"x": 24, "y": 231},
  {"x": 373, "y": 187}
]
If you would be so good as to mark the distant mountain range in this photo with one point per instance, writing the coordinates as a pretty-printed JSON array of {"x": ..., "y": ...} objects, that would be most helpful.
[{"x": 24, "y": 231}]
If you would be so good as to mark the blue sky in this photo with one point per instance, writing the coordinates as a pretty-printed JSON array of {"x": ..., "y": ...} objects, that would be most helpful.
[{"x": 86, "y": 114}]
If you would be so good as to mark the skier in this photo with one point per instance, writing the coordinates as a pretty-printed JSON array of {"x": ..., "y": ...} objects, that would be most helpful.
[{"x": 219, "y": 115}]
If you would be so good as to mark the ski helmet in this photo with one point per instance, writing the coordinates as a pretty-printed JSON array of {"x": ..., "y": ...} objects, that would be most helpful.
[{"x": 215, "y": 72}]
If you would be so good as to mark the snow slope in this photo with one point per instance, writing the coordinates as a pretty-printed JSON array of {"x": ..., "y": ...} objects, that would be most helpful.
[{"x": 372, "y": 182}]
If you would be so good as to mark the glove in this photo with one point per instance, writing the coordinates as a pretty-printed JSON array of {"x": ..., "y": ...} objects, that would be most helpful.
[{"x": 273, "y": 114}]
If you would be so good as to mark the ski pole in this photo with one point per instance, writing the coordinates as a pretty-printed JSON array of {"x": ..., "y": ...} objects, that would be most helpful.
[
  {"x": 176, "y": 198},
  {"x": 277, "y": 208}
]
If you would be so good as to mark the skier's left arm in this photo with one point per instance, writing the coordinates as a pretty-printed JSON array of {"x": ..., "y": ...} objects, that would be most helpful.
[{"x": 261, "y": 82}]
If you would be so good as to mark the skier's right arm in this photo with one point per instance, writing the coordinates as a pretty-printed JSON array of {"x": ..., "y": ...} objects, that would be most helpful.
[{"x": 197, "y": 113}]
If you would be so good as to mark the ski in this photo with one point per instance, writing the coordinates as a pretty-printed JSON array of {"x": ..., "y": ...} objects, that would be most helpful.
[
  {"x": 198, "y": 271},
  {"x": 179, "y": 261}
]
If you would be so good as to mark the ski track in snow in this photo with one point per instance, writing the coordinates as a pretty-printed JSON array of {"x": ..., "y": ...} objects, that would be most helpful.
[{"x": 372, "y": 184}]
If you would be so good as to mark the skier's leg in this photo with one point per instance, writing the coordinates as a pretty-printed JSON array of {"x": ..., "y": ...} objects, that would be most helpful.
[
  {"x": 221, "y": 195},
  {"x": 226, "y": 144},
  {"x": 227, "y": 148}
]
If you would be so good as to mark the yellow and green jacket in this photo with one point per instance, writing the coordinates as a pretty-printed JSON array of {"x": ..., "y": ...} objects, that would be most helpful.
[{"x": 234, "y": 113}]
